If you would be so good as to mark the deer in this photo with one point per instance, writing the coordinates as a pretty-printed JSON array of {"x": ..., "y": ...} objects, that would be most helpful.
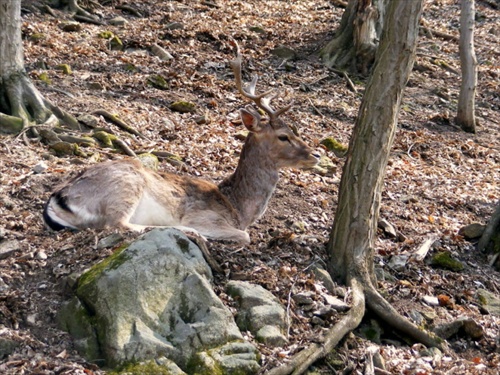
[{"x": 126, "y": 195}]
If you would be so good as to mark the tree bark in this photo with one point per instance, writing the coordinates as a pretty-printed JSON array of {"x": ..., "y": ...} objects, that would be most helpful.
[
  {"x": 491, "y": 234},
  {"x": 21, "y": 104},
  {"x": 465, "y": 113},
  {"x": 355, "y": 224},
  {"x": 355, "y": 43}
]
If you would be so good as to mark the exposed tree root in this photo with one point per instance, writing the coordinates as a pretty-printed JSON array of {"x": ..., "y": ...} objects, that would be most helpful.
[
  {"x": 361, "y": 290},
  {"x": 120, "y": 123},
  {"x": 386, "y": 312},
  {"x": 299, "y": 363},
  {"x": 23, "y": 105}
]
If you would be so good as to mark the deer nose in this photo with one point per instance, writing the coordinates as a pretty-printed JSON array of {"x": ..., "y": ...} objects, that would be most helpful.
[{"x": 316, "y": 154}]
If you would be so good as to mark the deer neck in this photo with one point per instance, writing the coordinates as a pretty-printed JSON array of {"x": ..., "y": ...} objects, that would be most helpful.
[{"x": 252, "y": 184}]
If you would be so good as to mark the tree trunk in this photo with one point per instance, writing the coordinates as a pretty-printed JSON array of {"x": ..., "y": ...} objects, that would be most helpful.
[
  {"x": 355, "y": 43},
  {"x": 21, "y": 103},
  {"x": 490, "y": 240},
  {"x": 465, "y": 114},
  {"x": 351, "y": 242}
]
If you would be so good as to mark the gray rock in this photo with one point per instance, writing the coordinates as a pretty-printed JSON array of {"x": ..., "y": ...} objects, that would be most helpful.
[
  {"x": 259, "y": 308},
  {"x": 271, "y": 336},
  {"x": 118, "y": 21},
  {"x": 7, "y": 346},
  {"x": 322, "y": 275},
  {"x": 233, "y": 358},
  {"x": 336, "y": 303},
  {"x": 489, "y": 301},
  {"x": 154, "y": 299},
  {"x": 472, "y": 231},
  {"x": 8, "y": 248},
  {"x": 284, "y": 53},
  {"x": 109, "y": 241}
]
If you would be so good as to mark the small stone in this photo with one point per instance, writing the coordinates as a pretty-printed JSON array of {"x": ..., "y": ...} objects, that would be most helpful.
[
  {"x": 284, "y": 52},
  {"x": 271, "y": 335},
  {"x": 175, "y": 26},
  {"x": 70, "y": 26},
  {"x": 303, "y": 298},
  {"x": 316, "y": 320},
  {"x": 163, "y": 54},
  {"x": 430, "y": 300},
  {"x": 472, "y": 231},
  {"x": 388, "y": 228},
  {"x": 183, "y": 106},
  {"x": 398, "y": 262},
  {"x": 115, "y": 44},
  {"x": 40, "y": 168},
  {"x": 41, "y": 255},
  {"x": 8, "y": 248},
  {"x": 109, "y": 241},
  {"x": 322, "y": 275},
  {"x": 336, "y": 303},
  {"x": 118, "y": 21}
]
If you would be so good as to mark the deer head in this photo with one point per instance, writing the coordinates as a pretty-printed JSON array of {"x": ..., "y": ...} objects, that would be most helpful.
[{"x": 273, "y": 136}]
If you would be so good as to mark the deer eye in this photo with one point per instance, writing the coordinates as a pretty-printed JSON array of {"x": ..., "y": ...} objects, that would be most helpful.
[{"x": 283, "y": 138}]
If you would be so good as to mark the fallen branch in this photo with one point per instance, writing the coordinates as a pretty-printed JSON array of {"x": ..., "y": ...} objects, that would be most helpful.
[
  {"x": 120, "y": 123},
  {"x": 439, "y": 34}
]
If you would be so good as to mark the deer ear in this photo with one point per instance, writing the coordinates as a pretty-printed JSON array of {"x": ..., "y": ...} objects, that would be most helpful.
[{"x": 251, "y": 119}]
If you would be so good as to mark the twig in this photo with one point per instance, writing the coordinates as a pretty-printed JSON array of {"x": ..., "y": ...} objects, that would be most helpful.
[
  {"x": 344, "y": 74},
  {"x": 120, "y": 123},
  {"x": 315, "y": 108}
]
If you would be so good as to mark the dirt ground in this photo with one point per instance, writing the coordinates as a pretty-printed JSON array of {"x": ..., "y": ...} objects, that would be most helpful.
[{"x": 438, "y": 179}]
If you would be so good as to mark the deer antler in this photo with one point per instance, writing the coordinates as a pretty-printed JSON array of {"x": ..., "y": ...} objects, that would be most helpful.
[{"x": 263, "y": 101}]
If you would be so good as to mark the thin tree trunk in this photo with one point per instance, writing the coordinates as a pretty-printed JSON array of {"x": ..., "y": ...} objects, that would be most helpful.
[
  {"x": 355, "y": 225},
  {"x": 11, "y": 47},
  {"x": 465, "y": 114}
]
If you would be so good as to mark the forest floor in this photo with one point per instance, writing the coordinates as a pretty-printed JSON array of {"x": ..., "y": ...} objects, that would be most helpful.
[{"x": 438, "y": 180}]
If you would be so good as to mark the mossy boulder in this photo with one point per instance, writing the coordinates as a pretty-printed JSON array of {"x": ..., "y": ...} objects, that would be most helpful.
[
  {"x": 153, "y": 299},
  {"x": 444, "y": 260},
  {"x": 183, "y": 106}
]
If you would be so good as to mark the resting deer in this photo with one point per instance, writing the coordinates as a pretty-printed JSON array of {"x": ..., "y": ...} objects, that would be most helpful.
[{"x": 126, "y": 194}]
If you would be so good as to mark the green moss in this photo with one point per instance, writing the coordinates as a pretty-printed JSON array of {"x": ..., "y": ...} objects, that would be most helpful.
[
  {"x": 157, "y": 81},
  {"x": 129, "y": 67},
  {"x": 143, "y": 368},
  {"x": 335, "y": 146},
  {"x": 182, "y": 106},
  {"x": 204, "y": 364},
  {"x": 105, "y": 138},
  {"x": 445, "y": 260},
  {"x": 64, "y": 148},
  {"x": 36, "y": 37},
  {"x": 105, "y": 34},
  {"x": 110, "y": 263},
  {"x": 44, "y": 77},
  {"x": 66, "y": 69}
]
